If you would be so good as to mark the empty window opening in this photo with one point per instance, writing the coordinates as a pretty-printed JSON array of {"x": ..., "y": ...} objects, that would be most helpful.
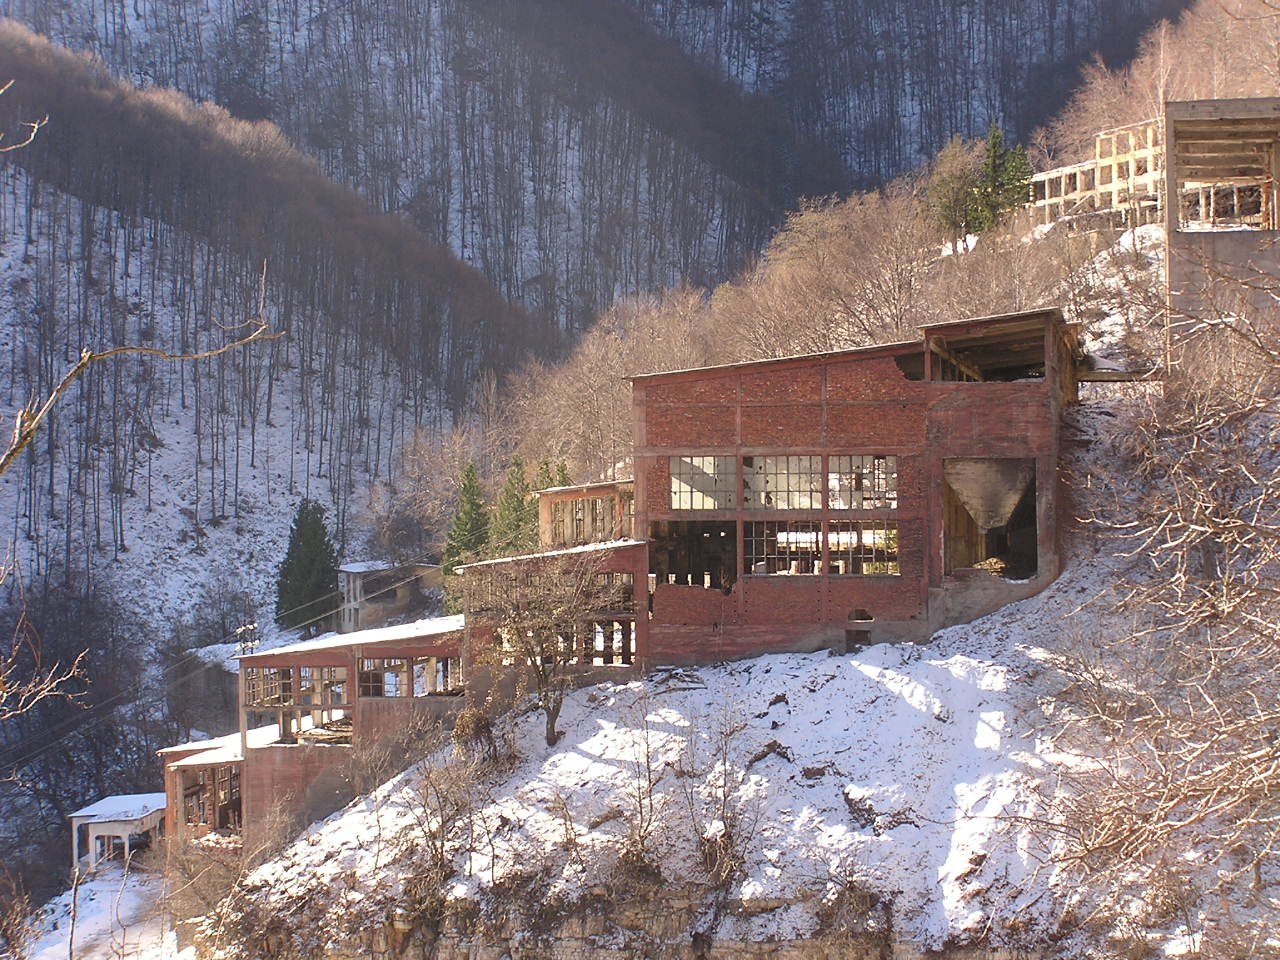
[
  {"x": 911, "y": 365},
  {"x": 864, "y": 548},
  {"x": 989, "y": 517},
  {"x": 1014, "y": 351},
  {"x": 611, "y": 643},
  {"x": 782, "y": 483},
  {"x": 704, "y": 483},
  {"x": 694, "y": 553},
  {"x": 586, "y": 520},
  {"x": 782, "y": 547},
  {"x": 862, "y": 483}
]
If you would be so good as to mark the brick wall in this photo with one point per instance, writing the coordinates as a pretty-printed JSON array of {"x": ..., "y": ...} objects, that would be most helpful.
[
  {"x": 307, "y": 781},
  {"x": 830, "y": 405}
]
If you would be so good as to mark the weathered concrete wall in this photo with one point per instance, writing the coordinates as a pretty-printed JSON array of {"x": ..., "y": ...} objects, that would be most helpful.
[
  {"x": 1222, "y": 273},
  {"x": 308, "y": 781}
]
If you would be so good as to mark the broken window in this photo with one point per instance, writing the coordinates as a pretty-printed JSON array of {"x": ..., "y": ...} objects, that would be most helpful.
[
  {"x": 782, "y": 547},
  {"x": 697, "y": 553},
  {"x": 989, "y": 516},
  {"x": 385, "y": 678},
  {"x": 618, "y": 587},
  {"x": 704, "y": 483},
  {"x": 280, "y": 686},
  {"x": 268, "y": 686},
  {"x": 437, "y": 676},
  {"x": 611, "y": 643},
  {"x": 862, "y": 483},
  {"x": 584, "y": 520},
  {"x": 863, "y": 547},
  {"x": 782, "y": 483}
]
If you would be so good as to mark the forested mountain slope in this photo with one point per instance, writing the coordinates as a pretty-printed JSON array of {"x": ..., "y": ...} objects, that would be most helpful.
[
  {"x": 886, "y": 83},
  {"x": 489, "y": 140},
  {"x": 571, "y": 149},
  {"x": 143, "y": 219}
]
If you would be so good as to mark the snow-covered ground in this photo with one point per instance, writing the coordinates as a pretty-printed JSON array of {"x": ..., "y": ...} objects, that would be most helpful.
[
  {"x": 118, "y": 915},
  {"x": 165, "y": 567},
  {"x": 902, "y": 769}
]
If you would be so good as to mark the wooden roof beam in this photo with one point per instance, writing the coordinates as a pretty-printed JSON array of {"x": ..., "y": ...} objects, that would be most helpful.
[{"x": 966, "y": 368}]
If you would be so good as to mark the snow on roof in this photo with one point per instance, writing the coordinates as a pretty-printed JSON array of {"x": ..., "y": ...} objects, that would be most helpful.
[
  {"x": 594, "y": 485},
  {"x": 365, "y": 566},
  {"x": 563, "y": 552},
  {"x": 431, "y": 627},
  {"x": 223, "y": 749},
  {"x": 126, "y": 806}
]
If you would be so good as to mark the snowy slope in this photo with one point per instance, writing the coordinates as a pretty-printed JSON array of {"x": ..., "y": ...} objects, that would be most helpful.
[
  {"x": 117, "y": 915},
  {"x": 900, "y": 770},
  {"x": 193, "y": 514}
]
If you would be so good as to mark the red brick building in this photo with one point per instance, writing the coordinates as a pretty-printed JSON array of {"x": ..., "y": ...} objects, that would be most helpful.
[
  {"x": 303, "y": 709},
  {"x": 807, "y": 502},
  {"x": 779, "y": 505},
  {"x": 912, "y": 485}
]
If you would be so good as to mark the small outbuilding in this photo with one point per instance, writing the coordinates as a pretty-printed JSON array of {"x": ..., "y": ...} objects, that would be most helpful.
[{"x": 121, "y": 821}]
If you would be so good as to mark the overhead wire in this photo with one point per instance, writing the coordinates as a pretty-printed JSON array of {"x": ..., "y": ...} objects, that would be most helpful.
[{"x": 131, "y": 695}]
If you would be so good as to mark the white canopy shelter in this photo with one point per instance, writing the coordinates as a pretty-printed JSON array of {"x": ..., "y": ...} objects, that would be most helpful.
[{"x": 114, "y": 817}]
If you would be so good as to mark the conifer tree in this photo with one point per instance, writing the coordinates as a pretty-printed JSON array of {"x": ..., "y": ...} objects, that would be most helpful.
[
  {"x": 562, "y": 475},
  {"x": 515, "y": 517},
  {"x": 469, "y": 533},
  {"x": 306, "y": 592},
  {"x": 546, "y": 479},
  {"x": 1002, "y": 180}
]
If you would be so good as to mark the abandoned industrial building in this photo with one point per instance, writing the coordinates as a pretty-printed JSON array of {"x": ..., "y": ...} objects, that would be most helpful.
[
  {"x": 783, "y": 505},
  {"x": 780, "y": 505},
  {"x": 795, "y": 504},
  {"x": 303, "y": 708}
]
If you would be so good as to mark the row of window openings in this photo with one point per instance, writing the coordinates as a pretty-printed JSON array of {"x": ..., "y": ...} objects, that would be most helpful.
[
  {"x": 588, "y": 520},
  {"x": 503, "y": 590},
  {"x": 704, "y": 554},
  {"x": 600, "y": 643},
  {"x": 868, "y": 482},
  {"x": 214, "y": 798},
  {"x": 327, "y": 686}
]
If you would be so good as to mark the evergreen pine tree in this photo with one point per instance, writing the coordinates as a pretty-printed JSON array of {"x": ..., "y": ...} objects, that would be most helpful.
[
  {"x": 562, "y": 475},
  {"x": 306, "y": 591},
  {"x": 1002, "y": 180},
  {"x": 546, "y": 480},
  {"x": 515, "y": 517},
  {"x": 469, "y": 533}
]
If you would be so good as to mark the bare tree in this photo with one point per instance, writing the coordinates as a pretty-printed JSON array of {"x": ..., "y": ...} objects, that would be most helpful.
[
  {"x": 543, "y": 614},
  {"x": 17, "y": 926},
  {"x": 1174, "y": 817}
]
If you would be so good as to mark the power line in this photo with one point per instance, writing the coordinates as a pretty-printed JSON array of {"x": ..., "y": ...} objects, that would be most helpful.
[{"x": 130, "y": 696}]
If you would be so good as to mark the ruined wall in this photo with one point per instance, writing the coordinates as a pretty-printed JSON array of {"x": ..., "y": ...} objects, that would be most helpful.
[
  {"x": 379, "y": 718},
  {"x": 1222, "y": 273},
  {"x": 831, "y": 405},
  {"x": 308, "y": 781}
]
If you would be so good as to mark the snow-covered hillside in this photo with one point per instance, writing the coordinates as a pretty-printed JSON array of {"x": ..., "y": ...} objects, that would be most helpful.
[
  {"x": 158, "y": 480},
  {"x": 910, "y": 772}
]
